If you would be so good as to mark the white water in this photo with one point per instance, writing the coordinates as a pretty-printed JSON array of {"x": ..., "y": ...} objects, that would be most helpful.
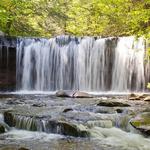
[
  {"x": 119, "y": 139},
  {"x": 107, "y": 138},
  {"x": 86, "y": 64},
  {"x": 22, "y": 135}
]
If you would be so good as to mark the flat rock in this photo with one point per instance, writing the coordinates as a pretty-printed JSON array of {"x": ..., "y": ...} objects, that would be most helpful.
[
  {"x": 112, "y": 104},
  {"x": 73, "y": 94},
  {"x": 79, "y": 94},
  {"x": 137, "y": 96},
  {"x": 147, "y": 98}
]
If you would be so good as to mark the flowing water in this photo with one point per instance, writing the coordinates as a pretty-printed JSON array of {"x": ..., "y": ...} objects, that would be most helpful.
[
  {"x": 87, "y": 64},
  {"x": 37, "y": 126}
]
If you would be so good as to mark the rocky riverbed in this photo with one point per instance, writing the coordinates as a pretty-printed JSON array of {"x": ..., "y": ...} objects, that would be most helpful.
[{"x": 49, "y": 122}]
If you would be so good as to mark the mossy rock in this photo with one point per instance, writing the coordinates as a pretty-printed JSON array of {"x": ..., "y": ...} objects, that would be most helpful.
[
  {"x": 112, "y": 104},
  {"x": 73, "y": 129},
  {"x": 9, "y": 118},
  {"x": 142, "y": 123}
]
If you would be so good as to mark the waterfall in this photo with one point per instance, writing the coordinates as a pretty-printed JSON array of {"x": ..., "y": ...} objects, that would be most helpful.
[{"x": 88, "y": 64}]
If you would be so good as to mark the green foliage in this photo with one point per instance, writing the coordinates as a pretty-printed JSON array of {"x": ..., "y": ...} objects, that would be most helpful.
[{"x": 78, "y": 17}]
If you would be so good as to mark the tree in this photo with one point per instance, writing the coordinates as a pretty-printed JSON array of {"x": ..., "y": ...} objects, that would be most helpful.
[{"x": 77, "y": 17}]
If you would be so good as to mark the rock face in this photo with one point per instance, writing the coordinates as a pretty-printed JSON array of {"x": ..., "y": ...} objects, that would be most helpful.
[
  {"x": 9, "y": 118},
  {"x": 112, "y": 104},
  {"x": 7, "y": 63},
  {"x": 73, "y": 94},
  {"x": 142, "y": 123},
  {"x": 2, "y": 129}
]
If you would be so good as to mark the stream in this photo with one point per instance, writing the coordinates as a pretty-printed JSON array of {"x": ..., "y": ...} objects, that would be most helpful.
[{"x": 40, "y": 120}]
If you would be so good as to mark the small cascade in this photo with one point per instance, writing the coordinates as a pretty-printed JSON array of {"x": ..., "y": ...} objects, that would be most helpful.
[
  {"x": 1, "y": 118},
  {"x": 33, "y": 124},
  {"x": 88, "y": 64},
  {"x": 100, "y": 123},
  {"x": 45, "y": 124}
]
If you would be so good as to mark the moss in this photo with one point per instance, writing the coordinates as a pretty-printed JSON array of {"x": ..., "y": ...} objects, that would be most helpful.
[{"x": 142, "y": 120}]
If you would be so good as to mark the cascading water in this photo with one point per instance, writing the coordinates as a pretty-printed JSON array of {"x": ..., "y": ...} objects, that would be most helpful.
[{"x": 88, "y": 64}]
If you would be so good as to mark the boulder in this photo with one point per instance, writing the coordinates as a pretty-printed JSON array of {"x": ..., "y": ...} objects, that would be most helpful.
[
  {"x": 132, "y": 95},
  {"x": 73, "y": 129},
  {"x": 64, "y": 93},
  {"x": 142, "y": 123},
  {"x": 73, "y": 94},
  {"x": 112, "y": 104},
  {"x": 79, "y": 94}
]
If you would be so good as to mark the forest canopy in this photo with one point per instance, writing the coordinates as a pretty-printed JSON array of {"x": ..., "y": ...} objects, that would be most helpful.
[{"x": 78, "y": 17}]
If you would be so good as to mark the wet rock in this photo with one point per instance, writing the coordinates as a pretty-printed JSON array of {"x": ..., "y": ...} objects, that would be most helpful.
[
  {"x": 2, "y": 129},
  {"x": 137, "y": 96},
  {"x": 147, "y": 98},
  {"x": 9, "y": 118},
  {"x": 142, "y": 95},
  {"x": 134, "y": 98},
  {"x": 14, "y": 102},
  {"x": 73, "y": 129},
  {"x": 79, "y": 94},
  {"x": 112, "y": 104},
  {"x": 142, "y": 123},
  {"x": 119, "y": 110},
  {"x": 67, "y": 109},
  {"x": 39, "y": 105},
  {"x": 22, "y": 148},
  {"x": 132, "y": 95}
]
